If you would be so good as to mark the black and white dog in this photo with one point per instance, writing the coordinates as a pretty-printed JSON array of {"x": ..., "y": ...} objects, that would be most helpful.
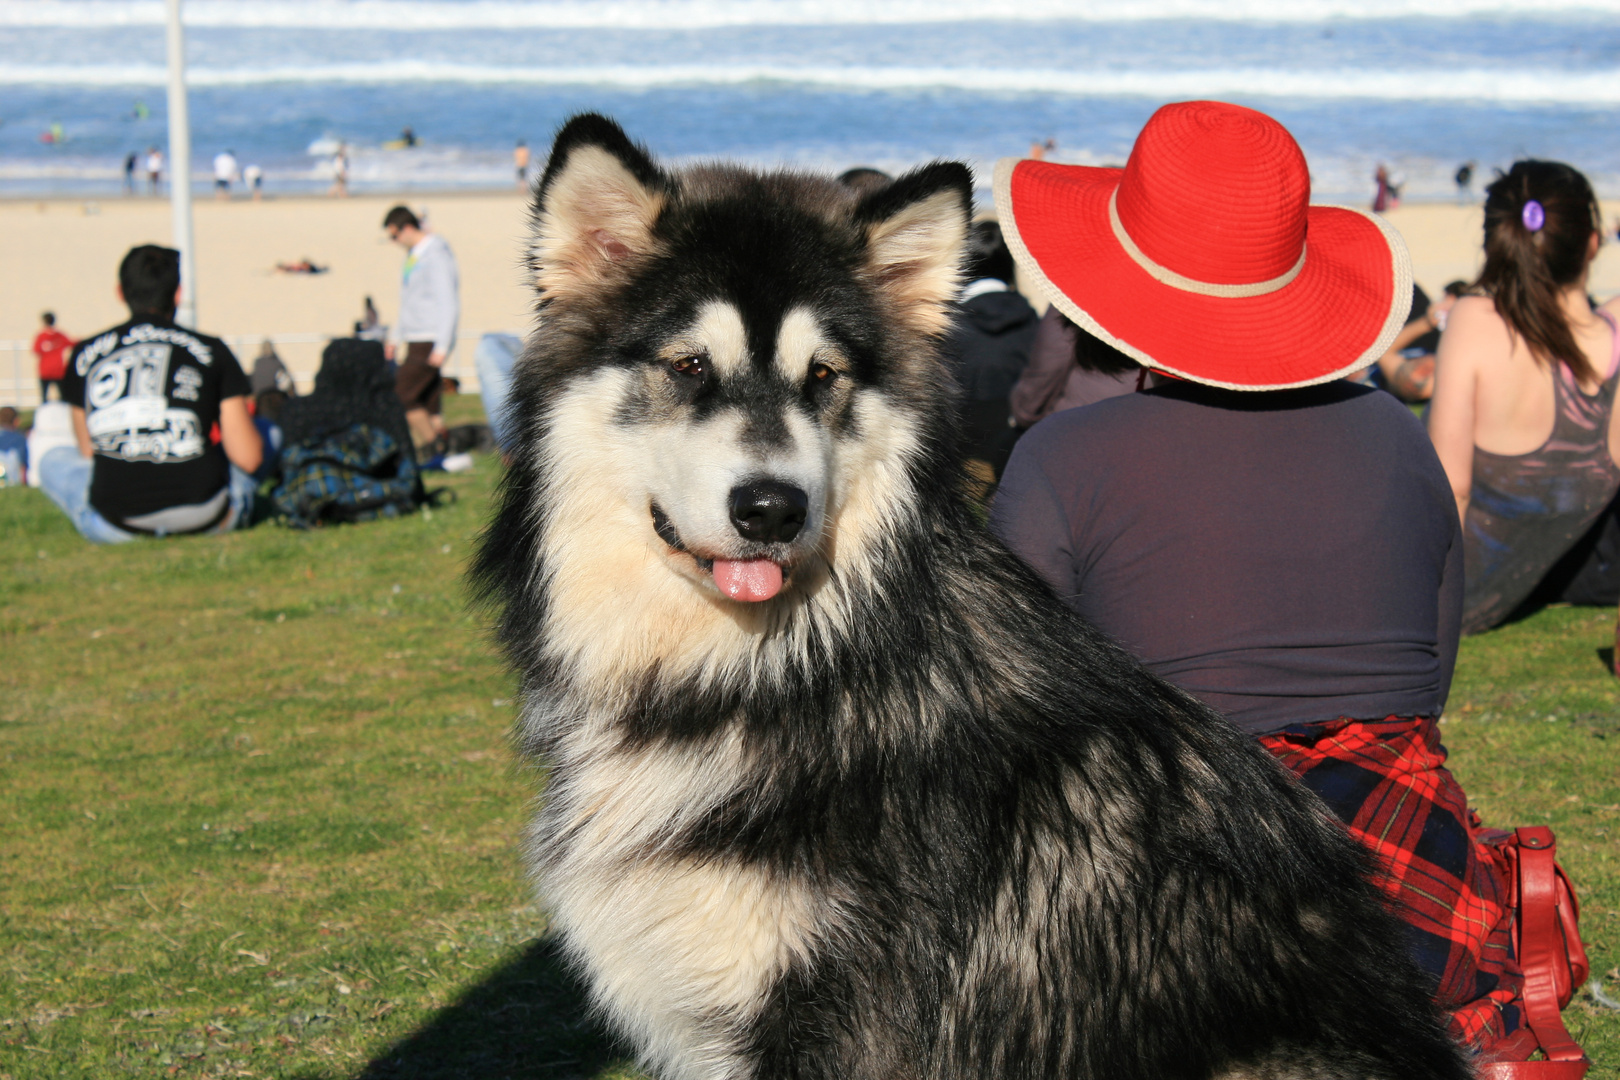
[{"x": 837, "y": 787}]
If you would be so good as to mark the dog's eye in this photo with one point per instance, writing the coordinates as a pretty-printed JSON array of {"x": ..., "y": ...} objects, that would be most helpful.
[
  {"x": 687, "y": 365},
  {"x": 822, "y": 373}
]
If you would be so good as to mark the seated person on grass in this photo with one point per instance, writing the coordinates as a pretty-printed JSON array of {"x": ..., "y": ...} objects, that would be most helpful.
[
  {"x": 987, "y": 349},
  {"x": 13, "y": 450},
  {"x": 147, "y": 397},
  {"x": 1523, "y": 416},
  {"x": 1275, "y": 541},
  {"x": 1407, "y": 367}
]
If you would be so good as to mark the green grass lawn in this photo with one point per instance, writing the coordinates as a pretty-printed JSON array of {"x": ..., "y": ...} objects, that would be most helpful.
[{"x": 259, "y": 817}]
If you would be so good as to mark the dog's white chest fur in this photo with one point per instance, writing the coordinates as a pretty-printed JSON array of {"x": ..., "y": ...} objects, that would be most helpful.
[{"x": 682, "y": 951}]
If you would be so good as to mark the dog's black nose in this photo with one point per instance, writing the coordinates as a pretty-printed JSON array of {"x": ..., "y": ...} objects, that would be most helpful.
[{"x": 768, "y": 511}]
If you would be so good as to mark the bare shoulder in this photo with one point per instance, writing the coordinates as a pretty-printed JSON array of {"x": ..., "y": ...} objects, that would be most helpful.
[
  {"x": 1475, "y": 333},
  {"x": 1612, "y": 307},
  {"x": 1471, "y": 311}
]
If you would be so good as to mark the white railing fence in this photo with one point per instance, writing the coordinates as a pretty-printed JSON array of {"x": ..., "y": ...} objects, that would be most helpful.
[{"x": 19, "y": 379}]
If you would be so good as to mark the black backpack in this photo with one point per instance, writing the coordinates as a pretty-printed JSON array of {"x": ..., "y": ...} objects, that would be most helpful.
[{"x": 346, "y": 448}]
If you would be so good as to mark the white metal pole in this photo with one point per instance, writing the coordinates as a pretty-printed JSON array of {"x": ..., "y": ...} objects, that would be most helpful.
[{"x": 180, "y": 169}]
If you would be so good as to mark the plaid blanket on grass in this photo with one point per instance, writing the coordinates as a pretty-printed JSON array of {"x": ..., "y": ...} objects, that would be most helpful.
[{"x": 1387, "y": 780}]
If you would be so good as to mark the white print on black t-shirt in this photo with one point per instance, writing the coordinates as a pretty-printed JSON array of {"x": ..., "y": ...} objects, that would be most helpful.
[
  {"x": 127, "y": 409},
  {"x": 144, "y": 332},
  {"x": 187, "y": 381}
]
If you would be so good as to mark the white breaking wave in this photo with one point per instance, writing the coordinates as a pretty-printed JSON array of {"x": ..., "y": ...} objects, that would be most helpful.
[
  {"x": 703, "y": 14},
  {"x": 1599, "y": 87}
]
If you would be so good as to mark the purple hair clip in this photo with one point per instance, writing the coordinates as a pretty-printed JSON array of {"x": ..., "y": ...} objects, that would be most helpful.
[{"x": 1534, "y": 216}]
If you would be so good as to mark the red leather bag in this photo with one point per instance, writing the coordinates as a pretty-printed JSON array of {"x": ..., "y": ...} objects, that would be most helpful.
[{"x": 1547, "y": 942}]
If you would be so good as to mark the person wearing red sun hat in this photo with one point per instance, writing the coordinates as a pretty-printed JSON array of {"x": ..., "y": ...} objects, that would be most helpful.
[{"x": 1276, "y": 541}]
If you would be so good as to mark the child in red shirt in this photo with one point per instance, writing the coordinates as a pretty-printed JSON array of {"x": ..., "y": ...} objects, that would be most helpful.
[{"x": 51, "y": 346}]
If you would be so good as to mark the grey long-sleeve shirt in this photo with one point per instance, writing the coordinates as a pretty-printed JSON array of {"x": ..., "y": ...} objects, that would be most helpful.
[{"x": 430, "y": 295}]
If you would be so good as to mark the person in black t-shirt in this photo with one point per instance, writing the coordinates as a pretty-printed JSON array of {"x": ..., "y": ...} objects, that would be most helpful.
[{"x": 148, "y": 397}]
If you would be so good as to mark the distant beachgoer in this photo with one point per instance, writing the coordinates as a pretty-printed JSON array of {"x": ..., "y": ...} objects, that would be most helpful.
[
  {"x": 225, "y": 173},
  {"x": 253, "y": 178},
  {"x": 131, "y": 160},
  {"x": 1039, "y": 149},
  {"x": 273, "y": 387},
  {"x": 154, "y": 168},
  {"x": 13, "y": 450},
  {"x": 520, "y": 162},
  {"x": 429, "y": 310},
  {"x": 1388, "y": 195},
  {"x": 301, "y": 266},
  {"x": 145, "y": 396},
  {"x": 863, "y": 179},
  {"x": 270, "y": 373},
  {"x": 369, "y": 326},
  {"x": 1523, "y": 408},
  {"x": 1465, "y": 183},
  {"x": 50, "y": 348},
  {"x": 407, "y": 138},
  {"x": 340, "y": 172}
]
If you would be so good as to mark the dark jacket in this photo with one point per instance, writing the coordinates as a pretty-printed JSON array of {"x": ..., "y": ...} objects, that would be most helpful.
[{"x": 988, "y": 348}]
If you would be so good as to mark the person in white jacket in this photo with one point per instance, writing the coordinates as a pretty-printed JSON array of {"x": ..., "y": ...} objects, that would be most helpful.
[{"x": 429, "y": 308}]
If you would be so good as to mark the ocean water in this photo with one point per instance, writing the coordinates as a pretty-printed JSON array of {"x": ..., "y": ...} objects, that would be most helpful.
[{"x": 1421, "y": 85}]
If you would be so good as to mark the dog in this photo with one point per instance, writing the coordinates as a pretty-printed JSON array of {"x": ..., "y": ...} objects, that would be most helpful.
[{"x": 836, "y": 786}]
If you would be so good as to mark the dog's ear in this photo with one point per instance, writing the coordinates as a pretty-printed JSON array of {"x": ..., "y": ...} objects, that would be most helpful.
[
  {"x": 594, "y": 209},
  {"x": 916, "y": 231}
]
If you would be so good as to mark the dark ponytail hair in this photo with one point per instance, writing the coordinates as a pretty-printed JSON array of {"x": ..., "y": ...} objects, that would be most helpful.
[{"x": 1526, "y": 270}]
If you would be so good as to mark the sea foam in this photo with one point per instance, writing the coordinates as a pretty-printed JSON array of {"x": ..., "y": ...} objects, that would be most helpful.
[
  {"x": 395, "y": 15},
  {"x": 1596, "y": 87}
]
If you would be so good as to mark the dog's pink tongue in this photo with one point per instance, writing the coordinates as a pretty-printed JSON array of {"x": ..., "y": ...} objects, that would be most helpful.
[{"x": 748, "y": 579}]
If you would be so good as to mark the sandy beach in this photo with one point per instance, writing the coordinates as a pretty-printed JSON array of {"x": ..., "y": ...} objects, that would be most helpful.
[{"x": 63, "y": 256}]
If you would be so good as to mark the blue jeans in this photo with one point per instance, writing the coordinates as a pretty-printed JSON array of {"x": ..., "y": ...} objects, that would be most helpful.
[
  {"x": 494, "y": 357},
  {"x": 65, "y": 477}
]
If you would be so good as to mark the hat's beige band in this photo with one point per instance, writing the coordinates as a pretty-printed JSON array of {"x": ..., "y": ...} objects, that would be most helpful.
[{"x": 1186, "y": 284}]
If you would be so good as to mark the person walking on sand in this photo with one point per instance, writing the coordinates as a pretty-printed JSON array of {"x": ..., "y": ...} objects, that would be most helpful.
[
  {"x": 340, "y": 172},
  {"x": 131, "y": 160},
  {"x": 1388, "y": 195},
  {"x": 50, "y": 348},
  {"x": 1465, "y": 183},
  {"x": 154, "y": 168},
  {"x": 429, "y": 309},
  {"x": 225, "y": 171},
  {"x": 520, "y": 162}
]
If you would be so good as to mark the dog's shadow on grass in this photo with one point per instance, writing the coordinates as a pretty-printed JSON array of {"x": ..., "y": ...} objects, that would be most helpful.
[{"x": 527, "y": 1021}]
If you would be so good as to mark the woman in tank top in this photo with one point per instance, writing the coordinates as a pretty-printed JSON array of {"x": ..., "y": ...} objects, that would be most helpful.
[{"x": 1523, "y": 408}]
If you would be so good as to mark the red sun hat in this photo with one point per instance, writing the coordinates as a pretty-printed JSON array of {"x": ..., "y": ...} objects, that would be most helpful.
[{"x": 1203, "y": 256}]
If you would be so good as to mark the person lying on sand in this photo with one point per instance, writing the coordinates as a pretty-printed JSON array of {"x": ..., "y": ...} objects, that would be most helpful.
[{"x": 302, "y": 266}]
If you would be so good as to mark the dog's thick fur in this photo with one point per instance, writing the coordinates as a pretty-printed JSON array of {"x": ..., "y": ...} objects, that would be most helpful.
[{"x": 909, "y": 817}]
